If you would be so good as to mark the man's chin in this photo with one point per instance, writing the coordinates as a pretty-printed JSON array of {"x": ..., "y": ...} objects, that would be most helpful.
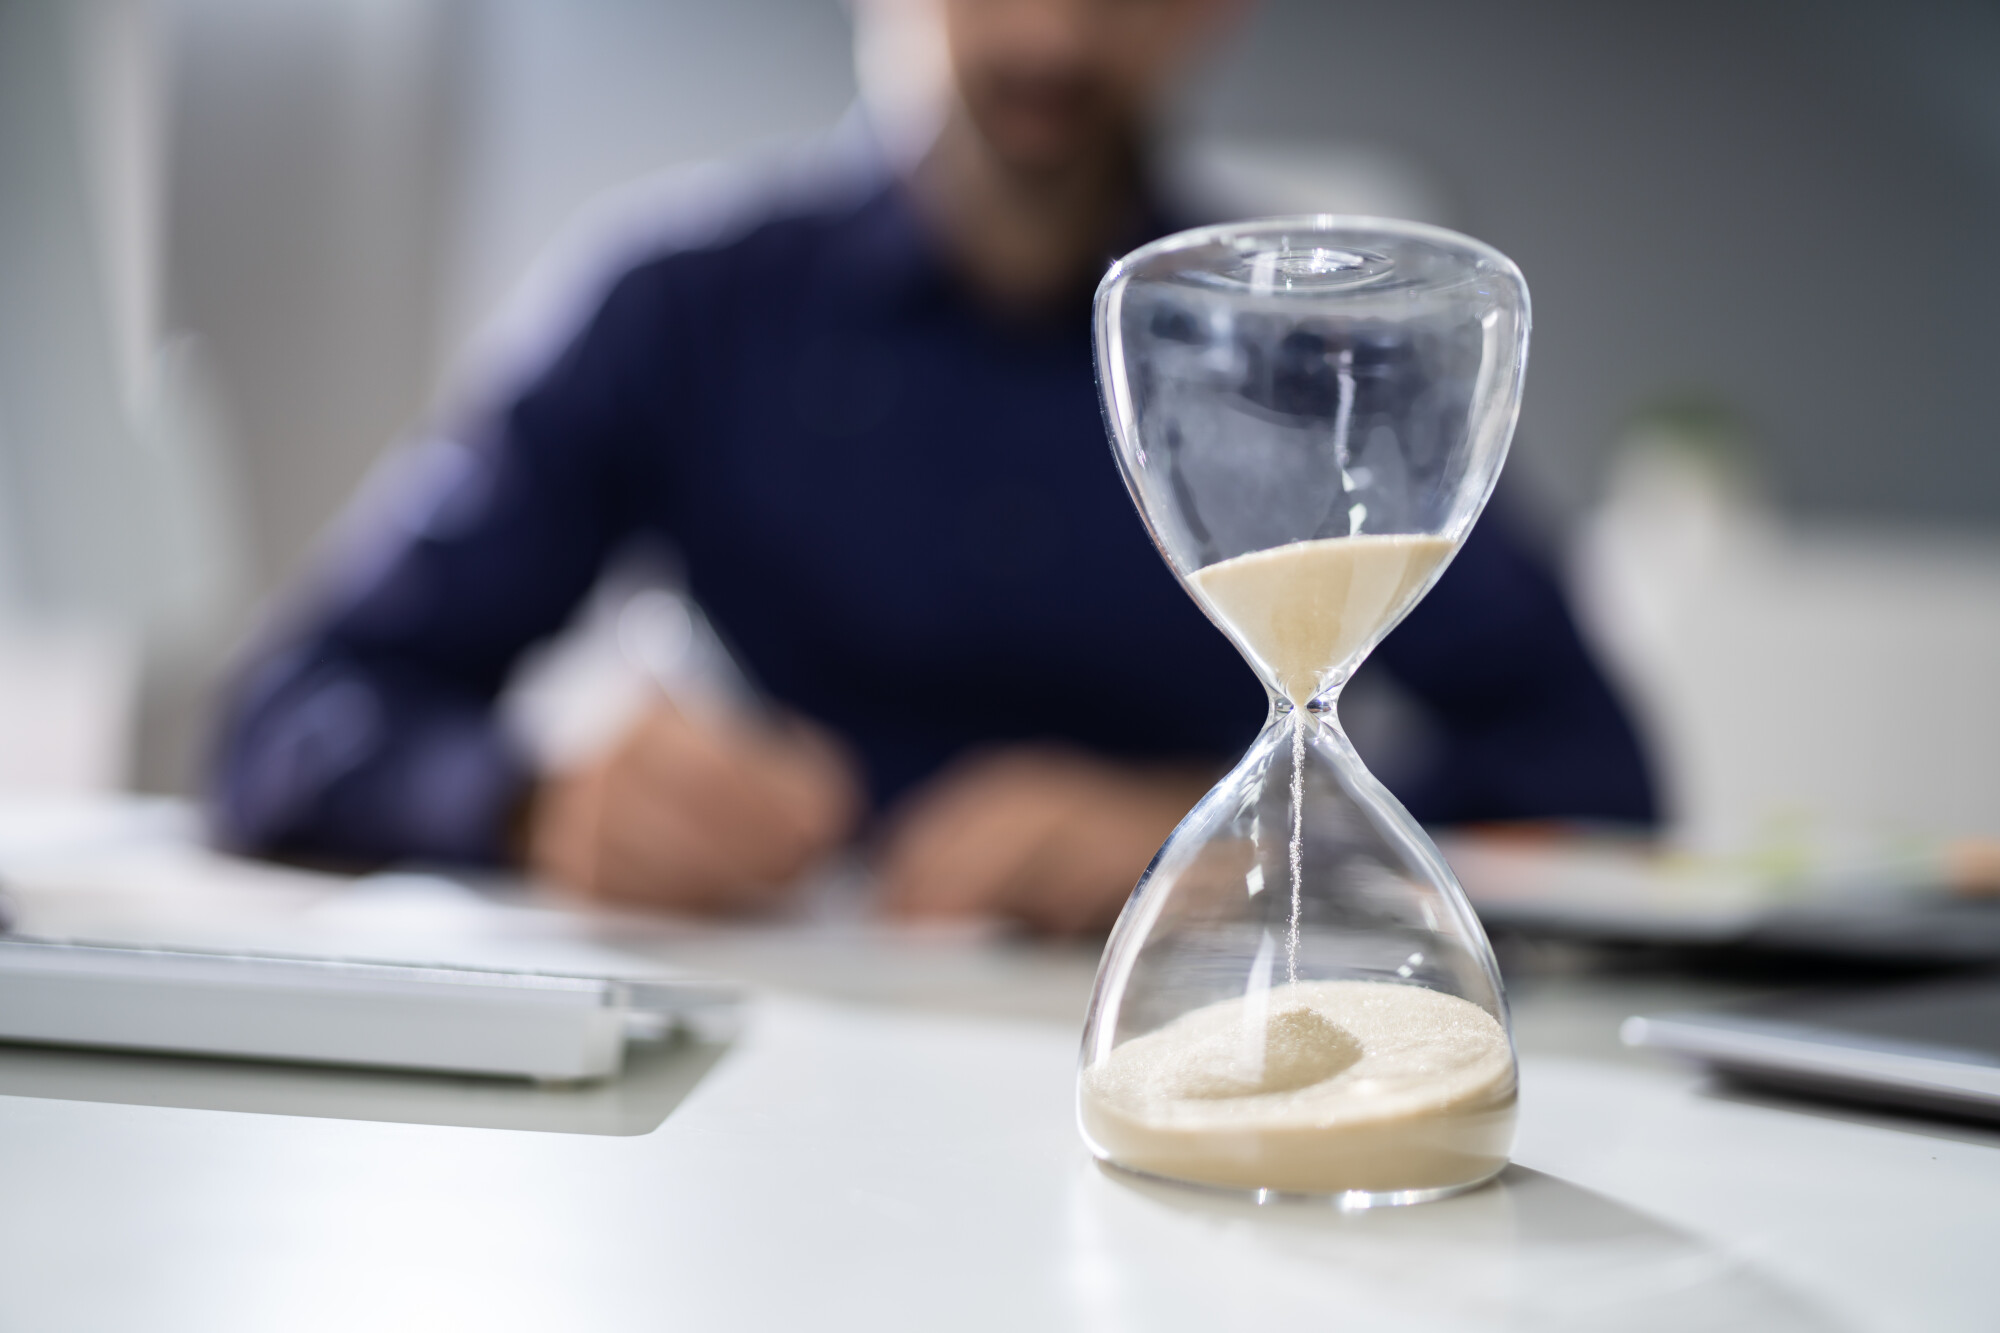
[{"x": 1043, "y": 150}]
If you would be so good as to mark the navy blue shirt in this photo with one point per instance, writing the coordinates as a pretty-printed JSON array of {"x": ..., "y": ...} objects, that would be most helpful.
[{"x": 900, "y": 509}]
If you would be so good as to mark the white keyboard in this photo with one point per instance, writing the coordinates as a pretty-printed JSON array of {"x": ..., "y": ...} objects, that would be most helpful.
[{"x": 460, "y": 1020}]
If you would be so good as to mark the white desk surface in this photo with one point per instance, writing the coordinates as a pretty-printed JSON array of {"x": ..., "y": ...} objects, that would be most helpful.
[{"x": 889, "y": 1144}]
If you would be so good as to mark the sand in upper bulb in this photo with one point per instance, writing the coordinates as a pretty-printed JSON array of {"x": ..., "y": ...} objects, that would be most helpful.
[
  {"x": 1317, "y": 1087},
  {"x": 1305, "y": 608}
]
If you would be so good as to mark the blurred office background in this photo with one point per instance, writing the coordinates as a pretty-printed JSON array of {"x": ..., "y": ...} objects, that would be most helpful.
[{"x": 243, "y": 244}]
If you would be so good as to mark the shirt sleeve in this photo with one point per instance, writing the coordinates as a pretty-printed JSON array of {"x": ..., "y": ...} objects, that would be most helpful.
[
  {"x": 1529, "y": 726},
  {"x": 363, "y": 729}
]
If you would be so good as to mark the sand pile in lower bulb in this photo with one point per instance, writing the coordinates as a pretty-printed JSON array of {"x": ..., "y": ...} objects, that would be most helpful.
[{"x": 1312, "y": 1087}]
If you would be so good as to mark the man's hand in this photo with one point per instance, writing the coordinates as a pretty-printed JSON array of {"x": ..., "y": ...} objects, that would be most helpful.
[
  {"x": 1051, "y": 837},
  {"x": 695, "y": 814}
]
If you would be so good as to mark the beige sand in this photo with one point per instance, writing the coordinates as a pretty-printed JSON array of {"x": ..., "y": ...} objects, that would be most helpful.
[
  {"x": 1306, "y": 608},
  {"x": 1354, "y": 1085}
]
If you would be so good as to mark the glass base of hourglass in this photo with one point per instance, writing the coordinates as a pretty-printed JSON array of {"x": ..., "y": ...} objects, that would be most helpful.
[{"x": 1298, "y": 999}]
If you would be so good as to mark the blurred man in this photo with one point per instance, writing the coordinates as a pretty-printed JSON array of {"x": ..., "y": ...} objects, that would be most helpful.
[{"x": 862, "y": 409}]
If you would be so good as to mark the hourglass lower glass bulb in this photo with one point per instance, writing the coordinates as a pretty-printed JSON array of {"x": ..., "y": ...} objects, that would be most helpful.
[{"x": 1298, "y": 998}]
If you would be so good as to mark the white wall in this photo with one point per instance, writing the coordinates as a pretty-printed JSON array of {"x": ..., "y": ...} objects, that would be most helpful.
[{"x": 562, "y": 102}]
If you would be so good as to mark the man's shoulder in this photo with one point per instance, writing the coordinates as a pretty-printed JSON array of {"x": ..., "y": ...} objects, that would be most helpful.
[
  {"x": 783, "y": 197},
  {"x": 666, "y": 230}
]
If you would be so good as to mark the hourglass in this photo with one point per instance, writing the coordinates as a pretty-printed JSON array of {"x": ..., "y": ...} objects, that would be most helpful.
[{"x": 1310, "y": 414}]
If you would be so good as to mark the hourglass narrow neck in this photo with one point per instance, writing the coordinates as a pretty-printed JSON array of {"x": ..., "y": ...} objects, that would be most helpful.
[
  {"x": 1324, "y": 707},
  {"x": 1323, "y": 729}
]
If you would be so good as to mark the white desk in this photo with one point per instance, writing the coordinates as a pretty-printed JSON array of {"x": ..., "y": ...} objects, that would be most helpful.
[{"x": 869, "y": 1163}]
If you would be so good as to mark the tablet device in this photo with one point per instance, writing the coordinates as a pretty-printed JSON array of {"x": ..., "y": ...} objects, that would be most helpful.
[
  {"x": 1878, "y": 899},
  {"x": 1933, "y": 1047}
]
